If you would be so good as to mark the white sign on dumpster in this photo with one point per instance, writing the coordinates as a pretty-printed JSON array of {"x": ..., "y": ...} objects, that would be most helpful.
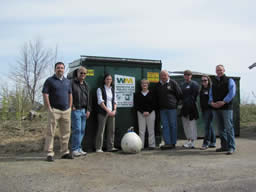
[{"x": 124, "y": 90}]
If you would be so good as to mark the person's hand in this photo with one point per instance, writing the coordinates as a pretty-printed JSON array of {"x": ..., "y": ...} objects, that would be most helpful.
[
  {"x": 73, "y": 108},
  {"x": 220, "y": 103},
  {"x": 88, "y": 114},
  {"x": 214, "y": 105},
  {"x": 145, "y": 114}
]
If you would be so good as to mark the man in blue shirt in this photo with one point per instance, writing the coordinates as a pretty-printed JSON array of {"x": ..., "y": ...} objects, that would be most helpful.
[
  {"x": 57, "y": 94},
  {"x": 221, "y": 99}
]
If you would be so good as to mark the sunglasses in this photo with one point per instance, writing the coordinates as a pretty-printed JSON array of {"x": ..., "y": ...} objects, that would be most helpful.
[
  {"x": 187, "y": 74},
  {"x": 204, "y": 80},
  {"x": 82, "y": 73}
]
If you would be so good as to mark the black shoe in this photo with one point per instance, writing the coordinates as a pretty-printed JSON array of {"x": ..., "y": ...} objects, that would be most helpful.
[
  {"x": 151, "y": 148},
  {"x": 221, "y": 150},
  {"x": 49, "y": 158},
  {"x": 67, "y": 156},
  {"x": 166, "y": 147}
]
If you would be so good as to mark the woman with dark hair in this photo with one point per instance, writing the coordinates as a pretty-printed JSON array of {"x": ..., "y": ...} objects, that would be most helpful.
[
  {"x": 209, "y": 138},
  {"x": 106, "y": 114}
]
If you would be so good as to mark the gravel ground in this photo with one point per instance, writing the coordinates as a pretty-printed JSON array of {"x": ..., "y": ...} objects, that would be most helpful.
[{"x": 159, "y": 171}]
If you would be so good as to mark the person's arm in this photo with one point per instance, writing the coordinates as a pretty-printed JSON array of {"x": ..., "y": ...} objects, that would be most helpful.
[
  {"x": 47, "y": 102},
  {"x": 231, "y": 91},
  {"x": 101, "y": 101},
  {"x": 179, "y": 94},
  {"x": 70, "y": 98}
]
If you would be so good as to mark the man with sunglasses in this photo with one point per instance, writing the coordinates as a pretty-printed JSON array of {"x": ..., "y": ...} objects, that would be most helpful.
[
  {"x": 80, "y": 110},
  {"x": 220, "y": 98},
  {"x": 57, "y": 94}
]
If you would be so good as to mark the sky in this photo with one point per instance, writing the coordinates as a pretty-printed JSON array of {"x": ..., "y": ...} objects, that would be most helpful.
[{"x": 183, "y": 34}]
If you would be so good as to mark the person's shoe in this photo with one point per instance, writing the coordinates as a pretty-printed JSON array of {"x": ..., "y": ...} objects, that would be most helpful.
[
  {"x": 204, "y": 147},
  {"x": 67, "y": 156},
  {"x": 113, "y": 149},
  {"x": 221, "y": 150},
  {"x": 166, "y": 147},
  {"x": 212, "y": 145},
  {"x": 76, "y": 153},
  {"x": 151, "y": 148},
  {"x": 230, "y": 151},
  {"x": 82, "y": 152},
  {"x": 99, "y": 151},
  {"x": 49, "y": 158},
  {"x": 189, "y": 145}
]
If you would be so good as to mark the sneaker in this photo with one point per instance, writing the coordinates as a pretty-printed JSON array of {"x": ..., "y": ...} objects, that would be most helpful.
[
  {"x": 49, "y": 158},
  {"x": 67, "y": 156},
  {"x": 82, "y": 152},
  {"x": 99, "y": 151},
  {"x": 192, "y": 145},
  {"x": 212, "y": 145},
  {"x": 76, "y": 153},
  {"x": 221, "y": 150},
  {"x": 204, "y": 147},
  {"x": 187, "y": 144},
  {"x": 230, "y": 151}
]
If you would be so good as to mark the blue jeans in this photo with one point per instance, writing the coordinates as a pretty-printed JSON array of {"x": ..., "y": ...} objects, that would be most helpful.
[
  {"x": 224, "y": 120},
  {"x": 78, "y": 123},
  {"x": 209, "y": 137},
  {"x": 169, "y": 122}
]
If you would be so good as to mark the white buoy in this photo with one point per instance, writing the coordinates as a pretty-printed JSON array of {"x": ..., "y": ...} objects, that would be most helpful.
[{"x": 131, "y": 142}]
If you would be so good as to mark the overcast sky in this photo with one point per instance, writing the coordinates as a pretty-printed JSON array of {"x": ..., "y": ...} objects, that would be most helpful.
[{"x": 184, "y": 34}]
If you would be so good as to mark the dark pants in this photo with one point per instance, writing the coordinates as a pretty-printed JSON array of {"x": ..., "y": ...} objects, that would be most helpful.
[{"x": 209, "y": 136}]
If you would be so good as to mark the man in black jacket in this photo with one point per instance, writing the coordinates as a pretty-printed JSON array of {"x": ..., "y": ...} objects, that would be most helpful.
[
  {"x": 168, "y": 94},
  {"x": 80, "y": 110}
]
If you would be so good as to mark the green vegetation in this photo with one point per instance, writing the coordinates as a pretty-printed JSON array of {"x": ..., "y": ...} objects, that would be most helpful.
[{"x": 247, "y": 114}]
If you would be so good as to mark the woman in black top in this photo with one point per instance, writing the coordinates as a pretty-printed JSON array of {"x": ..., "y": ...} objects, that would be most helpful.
[
  {"x": 144, "y": 103},
  {"x": 209, "y": 138}
]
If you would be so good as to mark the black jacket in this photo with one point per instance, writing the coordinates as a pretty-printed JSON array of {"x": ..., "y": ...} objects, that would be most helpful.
[
  {"x": 168, "y": 95},
  {"x": 204, "y": 99},
  {"x": 190, "y": 91},
  {"x": 80, "y": 94},
  {"x": 220, "y": 90}
]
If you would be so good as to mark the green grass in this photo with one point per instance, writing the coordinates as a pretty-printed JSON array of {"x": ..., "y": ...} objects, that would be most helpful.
[{"x": 247, "y": 114}]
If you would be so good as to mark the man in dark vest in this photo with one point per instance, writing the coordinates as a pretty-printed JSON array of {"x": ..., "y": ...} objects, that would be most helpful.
[{"x": 221, "y": 99}]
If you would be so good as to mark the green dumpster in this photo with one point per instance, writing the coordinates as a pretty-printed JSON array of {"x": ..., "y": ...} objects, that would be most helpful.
[
  {"x": 179, "y": 77},
  {"x": 126, "y": 74}
]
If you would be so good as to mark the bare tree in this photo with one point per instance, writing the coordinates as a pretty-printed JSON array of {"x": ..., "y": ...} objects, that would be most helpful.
[{"x": 32, "y": 66}]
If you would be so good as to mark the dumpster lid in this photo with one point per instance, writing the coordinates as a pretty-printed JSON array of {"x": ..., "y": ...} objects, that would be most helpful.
[
  {"x": 119, "y": 59},
  {"x": 193, "y": 73}
]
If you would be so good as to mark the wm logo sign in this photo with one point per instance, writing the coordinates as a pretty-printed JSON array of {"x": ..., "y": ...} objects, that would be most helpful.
[{"x": 125, "y": 80}]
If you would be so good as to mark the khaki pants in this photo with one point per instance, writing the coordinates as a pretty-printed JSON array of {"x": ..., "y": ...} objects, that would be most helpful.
[
  {"x": 63, "y": 119},
  {"x": 190, "y": 128},
  {"x": 104, "y": 120},
  {"x": 149, "y": 123}
]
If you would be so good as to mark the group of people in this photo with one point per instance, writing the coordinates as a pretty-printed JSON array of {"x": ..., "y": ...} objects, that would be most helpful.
[
  {"x": 68, "y": 104},
  {"x": 216, "y": 98}
]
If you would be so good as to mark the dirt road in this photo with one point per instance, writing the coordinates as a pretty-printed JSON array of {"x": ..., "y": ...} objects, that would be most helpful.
[{"x": 159, "y": 171}]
